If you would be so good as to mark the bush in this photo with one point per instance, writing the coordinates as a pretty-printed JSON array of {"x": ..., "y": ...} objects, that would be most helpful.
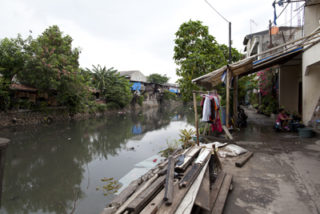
[
  {"x": 168, "y": 95},
  {"x": 140, "y": 100},
  {"x": 113, "y": 106}
]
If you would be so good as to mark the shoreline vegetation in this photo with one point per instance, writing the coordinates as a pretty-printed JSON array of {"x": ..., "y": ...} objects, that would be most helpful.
[{"x": 41, "y": 78}]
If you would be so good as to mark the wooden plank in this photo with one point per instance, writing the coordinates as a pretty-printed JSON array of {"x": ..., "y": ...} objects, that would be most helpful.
[
  {"x": 143, "y": 187},
  {"x": 203, "y": 197},
  {"x": 215, "y": 190},
  {"x": 168, "y": 195},
  {"x": 187, "y": 203},
  {"x": 196, "y": 116},
  {"x": 203, "y": 156},
  {"x": 154, "y": 205},
  {"x": 188, "y": 158},
  {"x": 126, "y": 193},
  {"x": 244, "y": 159},
  {"x": 223, "y": 194},
  {"x": 142, "y": 199},
  {"x": 190, "y": 176},
  {"x": 227, "y": 132}
]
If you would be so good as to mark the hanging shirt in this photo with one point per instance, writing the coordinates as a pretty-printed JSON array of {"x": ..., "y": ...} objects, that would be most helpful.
[{"x": 206, "y": 113}]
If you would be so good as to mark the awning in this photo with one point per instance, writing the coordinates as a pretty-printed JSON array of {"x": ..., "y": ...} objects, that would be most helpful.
[{"x": 278, "y": 55}]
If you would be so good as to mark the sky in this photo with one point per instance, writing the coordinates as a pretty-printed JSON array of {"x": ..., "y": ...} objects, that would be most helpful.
[{"x": 135, "y": 34}]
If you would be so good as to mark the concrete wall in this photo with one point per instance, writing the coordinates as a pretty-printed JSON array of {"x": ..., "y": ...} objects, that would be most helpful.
[
  {"x": 290, "y": 76},
  {"x": 310, "y": 65}
]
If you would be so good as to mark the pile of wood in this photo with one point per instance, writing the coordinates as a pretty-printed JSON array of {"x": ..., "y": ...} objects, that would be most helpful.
[{"x": 189, "y": 181}]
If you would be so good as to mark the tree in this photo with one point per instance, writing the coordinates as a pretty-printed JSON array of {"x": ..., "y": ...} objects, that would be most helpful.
[
  {"x": 114, "y": 88},
  {"x": 196, "y": 53},
  {"x": 49, "y": 58},
  {"x": 12, "y": 57},
  {"x": 12, "y": 60},
  {"x": 236, "y": 55},
  {"x": 157, "y": 78}
]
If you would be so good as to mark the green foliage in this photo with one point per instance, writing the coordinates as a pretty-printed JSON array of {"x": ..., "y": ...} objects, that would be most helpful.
[
  {"x": 168, "y": 95},
  {"x": 72, "y": 93},
  {"x": 140, "y": 100},
  {"x": 235, "y": 54},
  {"x": 12, "y": 57},
  {"x": 186, "y": 137},
  {"x": 196, "y": 53},
  {"x": 114, "y": 88},
  {"x": 50, "y": 58},
  {"x": 4, "y": 94},
  {"x": 171, "y": 147},
  {"x": 157, "y": 78}
]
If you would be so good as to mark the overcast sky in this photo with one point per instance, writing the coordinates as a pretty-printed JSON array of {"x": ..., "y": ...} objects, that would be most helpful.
[{"x": 134, "y": 34}]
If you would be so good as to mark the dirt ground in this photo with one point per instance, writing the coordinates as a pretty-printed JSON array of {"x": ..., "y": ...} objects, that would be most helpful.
[{"x": 283, "y": 176}]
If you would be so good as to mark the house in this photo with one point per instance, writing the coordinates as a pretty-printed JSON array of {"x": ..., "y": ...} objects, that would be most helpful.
[
  {"x": 296, "y": 63},
  {"x": 311, "y": 66},
  {"x": 286, "y": 76},
  {"x": 21, "y": 91}
]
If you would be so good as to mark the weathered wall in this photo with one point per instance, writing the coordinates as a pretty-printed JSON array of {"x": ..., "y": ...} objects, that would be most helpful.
[
  {"x": 290, "y": 76},
  {"x": 311, "y": 65}
]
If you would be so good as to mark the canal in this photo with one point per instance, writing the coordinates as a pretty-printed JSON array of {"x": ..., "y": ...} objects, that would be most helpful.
[{"x": 62, "y": 167}]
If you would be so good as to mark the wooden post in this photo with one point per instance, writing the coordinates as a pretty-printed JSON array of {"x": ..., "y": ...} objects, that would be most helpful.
[
  {"x": 3, "y": 147},
  {"x": 196, "y": 116},
  {"x": 228, "y": 98},
  {"x": 235, "y": 100}
]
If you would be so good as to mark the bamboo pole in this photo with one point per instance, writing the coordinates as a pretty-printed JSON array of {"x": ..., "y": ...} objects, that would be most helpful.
[
  {"x": 228, "y": 98},
  {"x": 196, "y": 116}
]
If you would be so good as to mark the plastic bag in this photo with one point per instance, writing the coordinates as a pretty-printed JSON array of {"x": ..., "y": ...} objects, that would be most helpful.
[{"x": 231, "y": 150}]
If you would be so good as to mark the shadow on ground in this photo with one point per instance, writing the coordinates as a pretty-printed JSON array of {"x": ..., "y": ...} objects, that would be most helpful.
[{"x": 283, "y": 176}]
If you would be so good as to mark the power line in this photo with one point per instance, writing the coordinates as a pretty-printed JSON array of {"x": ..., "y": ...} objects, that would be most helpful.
[{"x": 216, "y": 11}]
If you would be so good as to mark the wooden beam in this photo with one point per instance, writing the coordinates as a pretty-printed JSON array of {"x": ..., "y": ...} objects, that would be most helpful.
[
  {"x": 143, "y": 198},
  {"x": 203, "y": 197},
  {"x": 186, "y": 205},
  {"x": 189, "y": 156},
  {"x": 228, "y": 97},
  {"x": 196, "y": 116},
  {"x": 235, "y": 99},
  {"x": 168, "y": 195},
  {"x": 215, "y": 190},
  {"x": 244, "y": 159},
  {"x": 226, "y": 131},
  {"x": 223, "y": 194},
  {"x": 154, "y": 205},
  {"x": 136, "y": 193}
]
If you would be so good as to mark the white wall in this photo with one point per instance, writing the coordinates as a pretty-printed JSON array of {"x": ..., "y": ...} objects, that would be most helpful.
[
  {"x": 310, "y": 67},
  {"x": 290, "y": 76}
]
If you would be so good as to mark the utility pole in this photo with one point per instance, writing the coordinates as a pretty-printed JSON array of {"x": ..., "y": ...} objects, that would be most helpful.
[{"x": 228, "y": 72}]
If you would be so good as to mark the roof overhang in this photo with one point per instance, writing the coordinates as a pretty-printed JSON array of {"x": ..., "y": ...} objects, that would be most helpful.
[{"x": 250, "y": 65}]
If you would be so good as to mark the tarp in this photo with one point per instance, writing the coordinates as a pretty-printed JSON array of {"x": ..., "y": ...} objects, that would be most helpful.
[
  {"x": 136, "y": 86},
  {"x": 174, "y": 90}
]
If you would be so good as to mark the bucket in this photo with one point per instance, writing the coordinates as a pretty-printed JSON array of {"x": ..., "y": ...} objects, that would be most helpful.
[{"x": 305, "y": 132}]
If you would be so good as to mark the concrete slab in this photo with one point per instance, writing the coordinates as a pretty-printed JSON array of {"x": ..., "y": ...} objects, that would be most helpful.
[{"x": 283, "y": 176}]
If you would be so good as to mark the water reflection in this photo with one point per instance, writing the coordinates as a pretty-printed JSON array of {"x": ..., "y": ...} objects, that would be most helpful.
[{"x": 56, "y": 168}]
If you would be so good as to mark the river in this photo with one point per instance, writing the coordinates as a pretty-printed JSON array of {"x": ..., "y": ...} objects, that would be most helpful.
[{"x": 58, "y": 168}]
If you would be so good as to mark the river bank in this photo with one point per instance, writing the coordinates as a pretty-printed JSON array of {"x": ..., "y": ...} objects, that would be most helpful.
[{"x": 32, "y": 117}]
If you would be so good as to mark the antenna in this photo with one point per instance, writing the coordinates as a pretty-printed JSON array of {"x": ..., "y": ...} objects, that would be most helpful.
[{"x": 252, "y": 22}]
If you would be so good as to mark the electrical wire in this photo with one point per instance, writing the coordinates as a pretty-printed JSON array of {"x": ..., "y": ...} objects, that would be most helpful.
[{"x": 216, "y": 11}]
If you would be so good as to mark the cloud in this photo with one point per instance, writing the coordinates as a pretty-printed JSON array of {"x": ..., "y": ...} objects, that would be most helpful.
[{"x": 132, "y": 34}]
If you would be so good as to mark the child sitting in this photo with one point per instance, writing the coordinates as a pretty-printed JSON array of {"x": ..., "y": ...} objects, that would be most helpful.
[{"x": 282, "y": 120}]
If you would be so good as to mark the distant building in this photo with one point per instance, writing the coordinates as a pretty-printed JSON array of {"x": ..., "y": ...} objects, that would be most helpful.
[{"x": 134, "y": 76}]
